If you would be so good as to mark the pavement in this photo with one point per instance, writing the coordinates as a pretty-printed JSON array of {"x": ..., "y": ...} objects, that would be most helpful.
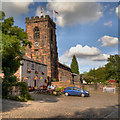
[{"x": 98, "y": 105}]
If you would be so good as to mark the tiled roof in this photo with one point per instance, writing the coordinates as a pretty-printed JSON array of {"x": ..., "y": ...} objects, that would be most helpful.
[{"x": 32, "y": 60}]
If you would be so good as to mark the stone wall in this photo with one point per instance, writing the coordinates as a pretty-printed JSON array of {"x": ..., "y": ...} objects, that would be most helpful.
[
  {"x": 47, "y": 46},
  {"x": 64, "y": 73},
  {"x": 14, "y": 91},
  {"x": 28, "y": 74}
]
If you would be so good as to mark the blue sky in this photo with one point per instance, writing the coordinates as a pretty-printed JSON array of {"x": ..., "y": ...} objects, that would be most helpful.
[{"x": 87, "y": 30}]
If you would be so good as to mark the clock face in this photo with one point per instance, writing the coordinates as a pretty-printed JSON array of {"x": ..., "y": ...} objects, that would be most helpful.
[{"x": 36, "y": 44}]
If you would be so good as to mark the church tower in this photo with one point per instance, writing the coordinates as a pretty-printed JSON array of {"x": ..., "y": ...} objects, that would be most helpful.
[{"x": 42, "y": 33}]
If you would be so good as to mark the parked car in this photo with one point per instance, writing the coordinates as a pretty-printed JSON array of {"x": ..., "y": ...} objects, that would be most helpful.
[{"x": 76, "y": 91}]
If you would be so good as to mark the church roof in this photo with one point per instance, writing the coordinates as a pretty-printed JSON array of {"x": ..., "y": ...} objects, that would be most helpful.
[{"x": 65, "y": 66}]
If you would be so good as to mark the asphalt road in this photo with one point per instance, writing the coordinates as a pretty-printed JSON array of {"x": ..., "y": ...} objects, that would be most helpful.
[{"x": 98, "y": 105}]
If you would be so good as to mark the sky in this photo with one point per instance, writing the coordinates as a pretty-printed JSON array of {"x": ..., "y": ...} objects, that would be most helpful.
[{"x": 88, "y": 30}]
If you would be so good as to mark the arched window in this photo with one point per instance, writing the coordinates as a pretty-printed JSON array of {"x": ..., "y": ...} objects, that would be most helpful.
[{"x": 36, "y": 33}]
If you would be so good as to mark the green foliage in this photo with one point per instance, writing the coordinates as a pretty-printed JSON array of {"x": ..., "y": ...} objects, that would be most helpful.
[
  {"x": 104, "y": 74},
  {"x": 62, "y": 88},
  {"x": 24, "y": 90},
  {"x": 89, "y": 78},
  {"x": 54, "y": 80},
  {"x": 106, "y": 82},
  {"x": 57, "y": 89},
  {"x": 113, "y": 67},
  {"x": 14, "y": 41},
  {"x": 8, "y": 82},
  {"x": 74, "y": 65},
  {"x": 19, "y": 98},
  {"x": 13, "y": 49},
  {"x": 11, "y": 54},
  {"x": 2, "y": 15}
]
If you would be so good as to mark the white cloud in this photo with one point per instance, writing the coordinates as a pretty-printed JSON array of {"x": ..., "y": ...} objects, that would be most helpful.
[
  {"x": 71, "y": 13},
  {"x": 108, "y": 41},
  {"x": 16, "y": 8},
  {"x": 65, "y": 59},
  {"x": 87, "y": 57},
  {"x": 82, "y": 52},
  {"x": 101, "y": 57},
  {"x": 109, "y": 23},
  {"x": 85, "y": 63},
  {"x": 118, "y": 13}
]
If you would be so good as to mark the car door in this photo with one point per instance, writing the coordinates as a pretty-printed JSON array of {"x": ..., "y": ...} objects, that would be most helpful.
[
  {"x": 70, "y": 90},
  {"x": 75, "y": 91}
]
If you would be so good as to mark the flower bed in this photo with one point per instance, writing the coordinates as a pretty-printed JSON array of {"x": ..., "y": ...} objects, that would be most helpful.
[{"x": 55, "y": 92}]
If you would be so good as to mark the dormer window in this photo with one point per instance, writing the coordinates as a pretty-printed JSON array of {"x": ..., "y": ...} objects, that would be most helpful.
[{"x": 36, "y": 33}]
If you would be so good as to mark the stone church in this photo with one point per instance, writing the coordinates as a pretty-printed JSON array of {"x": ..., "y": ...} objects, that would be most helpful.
[{"x": 42, "y": 33}]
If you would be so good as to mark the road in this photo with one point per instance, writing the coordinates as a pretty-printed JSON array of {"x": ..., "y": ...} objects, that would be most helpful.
[{"x": 98, "y": 105}]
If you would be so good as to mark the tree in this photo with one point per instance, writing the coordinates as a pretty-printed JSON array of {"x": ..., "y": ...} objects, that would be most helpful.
[
  {"x": 113, "y": 67},
  {"x": 2, "y": 15},
  {"x": 14, "y": 41},
  {"x": 74, "y": 65},
  {"x": 100, "y": 74},
  {"x": 88, "y": 78}
]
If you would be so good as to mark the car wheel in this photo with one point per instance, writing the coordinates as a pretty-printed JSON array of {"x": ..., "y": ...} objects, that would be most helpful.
[
  {"x": 66, "y": 94},
  {"x": 82, "y": 95}
]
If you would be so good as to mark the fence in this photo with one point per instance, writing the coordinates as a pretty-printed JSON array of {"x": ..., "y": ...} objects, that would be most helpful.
[{"x": 109, "y": 89}]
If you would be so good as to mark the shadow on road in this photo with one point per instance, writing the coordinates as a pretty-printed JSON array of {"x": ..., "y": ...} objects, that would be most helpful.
[
  {"x": 91, "y": 113},
  {"x": 8, "y": 105},
  {"x": 45, "y": 98}
]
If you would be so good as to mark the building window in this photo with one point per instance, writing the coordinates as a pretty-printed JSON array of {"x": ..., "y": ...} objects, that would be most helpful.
[
  {"x": 36, "y": 33},
  {"x": 32, "y": 66},
  {"x": 29, "y": 81},
  {"x": 36, "y": 52},
  {"x": 35, "y": 67},
  {"x": 28, "y": 65},
  {"x": 39, "y": 69}
]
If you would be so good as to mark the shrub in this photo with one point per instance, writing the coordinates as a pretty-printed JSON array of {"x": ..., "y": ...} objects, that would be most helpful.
[
  {"x": 54, "y": 80},
  {"x": 13, "y": 80},
  {"x": 24, "y": 90},
  {"x": 62, "y": 88},
  {"x": 19, "y": 98},
  {"x": 106, "y": 83},
  {"x": 57, "y": 89},
  {"x": 8, "y": 82}
]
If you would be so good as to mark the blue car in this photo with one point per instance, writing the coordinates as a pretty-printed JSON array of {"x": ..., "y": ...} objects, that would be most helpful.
[{"x": 76, "y": 91}]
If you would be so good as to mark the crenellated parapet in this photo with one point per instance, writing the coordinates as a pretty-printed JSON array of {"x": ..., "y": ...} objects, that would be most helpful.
[{"x": 37, "y": 19}]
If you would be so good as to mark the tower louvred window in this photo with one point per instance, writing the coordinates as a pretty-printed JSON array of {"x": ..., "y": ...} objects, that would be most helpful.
[{"x": 36, "y": 33}]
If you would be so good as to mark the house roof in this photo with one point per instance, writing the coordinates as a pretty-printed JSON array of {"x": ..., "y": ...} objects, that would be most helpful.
[
  {"x": 65, "y": 66},
  {"x": 32, "y": 60}
]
